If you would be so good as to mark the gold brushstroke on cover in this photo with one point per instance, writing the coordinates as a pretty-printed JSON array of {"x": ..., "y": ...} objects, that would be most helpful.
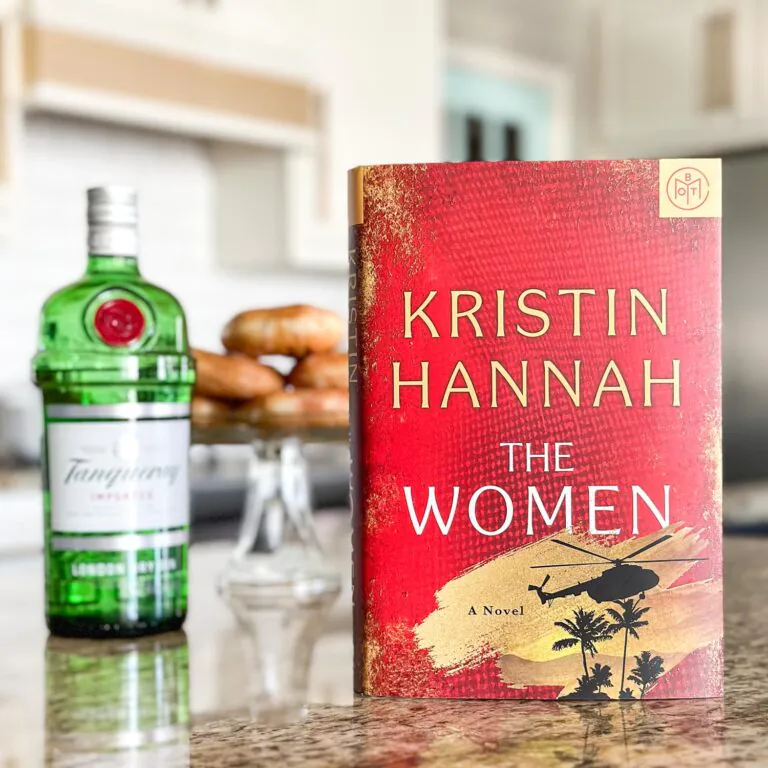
[
  {"x": 681, "y": 619},
  {"x": 402, "y": 670},
  {"x": 390, "y": 200},
  {"x": 382, "y": 498},
  {"x": 366, "y": 294},
  {"x": 371, "y": 652},
  {"x": 370, "y": 647}
]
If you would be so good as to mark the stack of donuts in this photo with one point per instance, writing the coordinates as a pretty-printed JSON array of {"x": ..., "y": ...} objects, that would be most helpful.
[{"x": 238, "y": 386}]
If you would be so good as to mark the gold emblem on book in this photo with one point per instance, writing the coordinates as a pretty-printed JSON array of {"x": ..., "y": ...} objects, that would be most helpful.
[{"x": 690, "y": 188}]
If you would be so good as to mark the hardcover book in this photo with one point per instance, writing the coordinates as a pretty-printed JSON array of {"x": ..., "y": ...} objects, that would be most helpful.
[{"x": 536, "y": 430}]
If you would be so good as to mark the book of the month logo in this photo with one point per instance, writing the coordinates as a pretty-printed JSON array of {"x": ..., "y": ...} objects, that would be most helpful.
[{"x": 690, "y": 188}]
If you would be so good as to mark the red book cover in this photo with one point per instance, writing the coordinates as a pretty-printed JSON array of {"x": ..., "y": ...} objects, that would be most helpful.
[{"x": 536, "y": 430}]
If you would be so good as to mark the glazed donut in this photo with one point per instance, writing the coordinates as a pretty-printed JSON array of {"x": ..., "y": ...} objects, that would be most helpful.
[
  {"x": 301, "y": 407},
  {"x": 233, "y": 377},
  {"x": 322, "y": 370},
  {"x": 205, "y": 410},
  {"x": 294, "y": 331}
]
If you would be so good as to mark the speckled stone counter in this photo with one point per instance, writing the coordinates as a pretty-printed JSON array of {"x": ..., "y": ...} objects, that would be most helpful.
[
  {"x": 181, "y": 700},
  {"x": 398, "y": 733},
  {"x": 462, "y": 734}
]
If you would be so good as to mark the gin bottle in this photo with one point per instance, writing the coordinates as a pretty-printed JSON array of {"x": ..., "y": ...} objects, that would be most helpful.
[{"x": 116, "y": 376}]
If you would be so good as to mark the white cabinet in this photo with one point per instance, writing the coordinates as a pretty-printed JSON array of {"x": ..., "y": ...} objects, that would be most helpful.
[
  {"x": 231, "y": 70},
  {"x": 682, "y": 76},
  {"x": 290, "y": 94},
  {"x": 256, "y": 34},
  {"x": 378, "y": 65}
]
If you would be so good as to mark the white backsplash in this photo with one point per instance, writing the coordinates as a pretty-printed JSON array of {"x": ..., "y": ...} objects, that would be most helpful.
[{"x": 175, "y": 181}]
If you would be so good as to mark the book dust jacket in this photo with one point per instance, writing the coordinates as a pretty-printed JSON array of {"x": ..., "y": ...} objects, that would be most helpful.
[{"x": 535, "y": 393}]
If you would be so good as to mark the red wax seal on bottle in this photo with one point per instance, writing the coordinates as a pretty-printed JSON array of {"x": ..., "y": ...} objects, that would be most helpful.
[{"x": 119, "y": 322}]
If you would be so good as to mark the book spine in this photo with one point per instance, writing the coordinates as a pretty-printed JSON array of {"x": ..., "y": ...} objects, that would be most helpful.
[{"x": 356, "y": 430}]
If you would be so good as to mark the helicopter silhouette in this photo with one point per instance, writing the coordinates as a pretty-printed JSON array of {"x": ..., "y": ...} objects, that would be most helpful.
[{"x": 618, "y": 582}]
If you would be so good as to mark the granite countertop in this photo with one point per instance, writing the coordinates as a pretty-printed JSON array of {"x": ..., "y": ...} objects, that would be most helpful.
[
  {"x": 82, "y": 703},
  {"x": 466, "y": 734}
]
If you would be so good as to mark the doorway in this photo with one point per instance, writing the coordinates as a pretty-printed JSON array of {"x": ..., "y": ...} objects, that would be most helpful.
[{"x": 499, "y": 107}]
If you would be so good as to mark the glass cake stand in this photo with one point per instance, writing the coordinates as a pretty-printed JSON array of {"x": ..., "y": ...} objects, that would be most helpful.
[
  {"x": 277, "y": 581},
  {"x": 278, "y": 557}
]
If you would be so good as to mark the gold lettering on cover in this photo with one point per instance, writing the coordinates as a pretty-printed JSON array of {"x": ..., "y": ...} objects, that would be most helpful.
[
  {"x": 574, "y": 392},
  {"x": 533, "y": 312},
  {"x": 612, "y": 369},
  {"x": 456, "y": 313},
  {"x": 500, "y": 330},
  {"x": 651, "y": 381},
  {"x": 660, "y": 320},
  {"x": 423, "y": 382},
  {"x": 611, "y": 311},
  {"x": 467, "y": 389},
  {"x": 521, "y": 393},
  {"x": 577, "y": 293},
  {"x": 411, "y": 314}
]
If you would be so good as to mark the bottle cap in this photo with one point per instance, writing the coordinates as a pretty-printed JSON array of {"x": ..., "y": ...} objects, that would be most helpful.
[
  {"x": 112, "y": 206},
  {"x": 113, "y": 219}
]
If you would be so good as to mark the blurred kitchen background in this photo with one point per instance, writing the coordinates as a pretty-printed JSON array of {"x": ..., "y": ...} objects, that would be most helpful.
[{"x": 237, "y": 120}]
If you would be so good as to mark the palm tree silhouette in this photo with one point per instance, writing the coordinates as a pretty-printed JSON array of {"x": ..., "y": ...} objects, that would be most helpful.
[
  {"x": 601, "y": 676},
  {"x": 628, "y": 619},
  {"x": 648, "y": 670},
  {"x": 585, "y": 628},
  {"x": 585, "y": 689}
]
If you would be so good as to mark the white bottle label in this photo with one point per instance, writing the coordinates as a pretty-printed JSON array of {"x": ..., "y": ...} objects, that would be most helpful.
[{"x": 119, "y": 476}]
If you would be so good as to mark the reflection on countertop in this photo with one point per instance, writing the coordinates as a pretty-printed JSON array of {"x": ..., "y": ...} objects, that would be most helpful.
[
  {"x": 472, "y": 734},
  {"x": 71, "y": 703},
  {"x": 185, "y": 699},
  {"x": 119, "y": 697}
]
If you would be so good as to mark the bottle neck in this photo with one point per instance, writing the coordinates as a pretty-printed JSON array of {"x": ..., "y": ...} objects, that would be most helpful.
[
  {"x": 112, "y": 265},
  {"x": 113, "y": 249}
]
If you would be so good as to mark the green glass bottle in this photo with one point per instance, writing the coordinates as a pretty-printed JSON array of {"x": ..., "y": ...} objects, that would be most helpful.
[{"x": 116, "y": 376}]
